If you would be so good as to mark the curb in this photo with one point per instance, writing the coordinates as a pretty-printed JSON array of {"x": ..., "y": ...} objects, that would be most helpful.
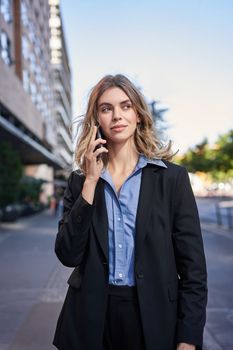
[{"x": 216, "y": 229}]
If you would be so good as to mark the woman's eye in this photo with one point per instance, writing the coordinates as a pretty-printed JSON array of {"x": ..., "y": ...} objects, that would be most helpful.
[
  {"x": 106, "y": 109},
  {"x": 126, "y": 106}
]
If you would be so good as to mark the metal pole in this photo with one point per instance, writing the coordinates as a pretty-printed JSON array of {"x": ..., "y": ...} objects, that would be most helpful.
[
  {"x": 218, "y": 214},
  {"x": 229, "y": 217}
]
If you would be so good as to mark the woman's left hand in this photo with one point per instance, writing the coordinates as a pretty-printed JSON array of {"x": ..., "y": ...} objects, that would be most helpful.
[{"x": 185, "y": 346}]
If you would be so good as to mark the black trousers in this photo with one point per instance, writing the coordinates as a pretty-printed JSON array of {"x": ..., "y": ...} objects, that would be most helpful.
[{"x": 123, "y": 328}]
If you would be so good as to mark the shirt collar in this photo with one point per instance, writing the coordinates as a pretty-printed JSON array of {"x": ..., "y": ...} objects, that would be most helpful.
[{"x": 142, "y": 162}]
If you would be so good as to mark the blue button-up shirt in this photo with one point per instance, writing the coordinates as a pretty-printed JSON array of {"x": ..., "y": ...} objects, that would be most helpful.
[{"x": 121, "y": 222}]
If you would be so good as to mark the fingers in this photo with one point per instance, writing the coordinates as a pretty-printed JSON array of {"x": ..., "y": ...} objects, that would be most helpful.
[
  {"x": 95, "y": 142},
  {"x": 98, "y": 142},
  {"x": 99, "y": 151},
  {"x": 95, "y": 146},
  {"x": 94, "y": 133}
]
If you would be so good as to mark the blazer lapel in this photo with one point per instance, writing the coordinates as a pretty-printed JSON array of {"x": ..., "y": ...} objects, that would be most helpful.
[
  {"x": 100, "y": 218},
  {"x": 149, "y": 182}
]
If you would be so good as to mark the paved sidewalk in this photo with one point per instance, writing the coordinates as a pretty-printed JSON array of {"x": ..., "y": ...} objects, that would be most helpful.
[
  {"x": 33, "y": 283},
  {"x": 36, "y": 332},
  {"x": 218, "y": 242}
]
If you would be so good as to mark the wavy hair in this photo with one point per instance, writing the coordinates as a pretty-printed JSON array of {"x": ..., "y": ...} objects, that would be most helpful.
[{"x": 145, "y": 136}]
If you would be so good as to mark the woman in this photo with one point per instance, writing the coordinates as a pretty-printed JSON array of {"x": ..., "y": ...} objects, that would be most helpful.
[{"x": 131, "y": 231}]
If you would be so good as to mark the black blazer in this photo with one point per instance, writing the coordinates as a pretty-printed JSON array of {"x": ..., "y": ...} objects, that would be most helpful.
[{"x": 170, "y": 266}]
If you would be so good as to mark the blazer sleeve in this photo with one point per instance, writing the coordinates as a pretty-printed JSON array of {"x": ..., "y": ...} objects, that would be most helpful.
[
  {"x": 73, "y": 229},
  {"x": 190, "y": 263}
]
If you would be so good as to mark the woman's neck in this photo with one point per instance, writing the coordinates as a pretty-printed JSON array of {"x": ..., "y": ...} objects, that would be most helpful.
[{"x": 122, "y": 158}]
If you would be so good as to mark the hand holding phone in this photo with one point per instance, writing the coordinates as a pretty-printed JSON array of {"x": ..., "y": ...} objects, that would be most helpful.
[
  {"x": 94, "y": 150},
  {"x": 99, "y": 135}
]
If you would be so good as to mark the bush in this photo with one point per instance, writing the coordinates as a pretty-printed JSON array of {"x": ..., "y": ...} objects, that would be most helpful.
[
  {"x": 11, "y": 170},
  {"x": 29, "y": 190}
]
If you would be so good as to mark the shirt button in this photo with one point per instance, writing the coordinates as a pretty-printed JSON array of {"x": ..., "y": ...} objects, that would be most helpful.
[
  {"x": 119, "y": 219},
  {"x": 120, "y": 245},
  {"x": 120, "y": 275}
]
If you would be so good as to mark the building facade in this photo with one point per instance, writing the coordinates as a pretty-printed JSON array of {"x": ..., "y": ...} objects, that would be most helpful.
[
  {"x": 61, "y": 82},
  {"x": 35, "y": 85}
]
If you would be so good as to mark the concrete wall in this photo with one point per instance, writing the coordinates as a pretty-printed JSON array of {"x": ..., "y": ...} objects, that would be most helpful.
[{"x": 14, "y": 98}]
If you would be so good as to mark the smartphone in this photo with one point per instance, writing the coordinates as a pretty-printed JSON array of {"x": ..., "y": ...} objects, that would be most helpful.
[{"x": 99, "y": 134}]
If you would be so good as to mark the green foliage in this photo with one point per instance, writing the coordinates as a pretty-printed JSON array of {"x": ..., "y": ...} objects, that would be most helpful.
[
  {"x": 11, "y": 170},
  {"x": 29, "y": 190},
  {"x": 217, "y": 160},
  {"x": 224, "y": 153}
]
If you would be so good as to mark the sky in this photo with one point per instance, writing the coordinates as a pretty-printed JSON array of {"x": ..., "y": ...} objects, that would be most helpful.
[{"x": 179, "y": 52}]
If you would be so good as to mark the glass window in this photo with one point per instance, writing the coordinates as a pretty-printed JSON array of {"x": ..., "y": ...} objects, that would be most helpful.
[
  {"x": 32, "y": 33},
  {"x": 25, "y": 47},
  {"x": 24, "y": 14},
  {"x": 39, "y": 100},
  {"x": 5, "y": 48},
  {"x": 5, "y": 8},
  {"x": 37, "y": 46},
  {"x": 33, "y": 66},
  {"x": 33, "y": 91},
  {"x": 26, "y": 81}
]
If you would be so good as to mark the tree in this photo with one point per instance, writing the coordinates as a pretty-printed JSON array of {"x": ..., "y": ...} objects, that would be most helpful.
[
  {"x": 158, "y": 116},
  {"x": 30, "y": 190},
  {"x": 217, "y": 160},
  {"x": 224, "y": 152},
  {"x": 198, "y": 158},
  {"x": 11, "y": 170}
]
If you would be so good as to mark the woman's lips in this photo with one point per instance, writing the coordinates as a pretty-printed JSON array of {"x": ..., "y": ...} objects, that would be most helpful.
[{"x": 119, "y": 128}]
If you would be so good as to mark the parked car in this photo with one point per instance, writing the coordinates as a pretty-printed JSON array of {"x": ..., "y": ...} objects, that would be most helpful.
[{"x": 10, "y": 213}]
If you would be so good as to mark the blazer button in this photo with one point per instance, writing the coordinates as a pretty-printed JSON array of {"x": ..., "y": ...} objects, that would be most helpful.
[
  {"x": 139, "y": 275},
  {"x": 79, "y": 218},
  {"x": 104, "y": 262}
]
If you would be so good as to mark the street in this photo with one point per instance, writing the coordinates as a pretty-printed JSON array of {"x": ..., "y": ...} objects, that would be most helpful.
[{"x": 33, "y": 282}]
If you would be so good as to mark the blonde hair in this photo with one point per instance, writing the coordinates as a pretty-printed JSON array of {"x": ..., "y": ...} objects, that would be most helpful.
[{"x": 145, "y": 136}]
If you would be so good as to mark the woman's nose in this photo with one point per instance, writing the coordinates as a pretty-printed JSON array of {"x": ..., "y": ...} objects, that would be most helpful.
[{"x": 116, "y": 114}]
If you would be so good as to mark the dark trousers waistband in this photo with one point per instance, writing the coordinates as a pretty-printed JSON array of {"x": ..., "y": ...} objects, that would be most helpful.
[{"x": 122, "y": 291}]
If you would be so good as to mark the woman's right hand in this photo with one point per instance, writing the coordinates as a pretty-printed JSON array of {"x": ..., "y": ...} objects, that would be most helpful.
[{"x": 94, "y": 166}]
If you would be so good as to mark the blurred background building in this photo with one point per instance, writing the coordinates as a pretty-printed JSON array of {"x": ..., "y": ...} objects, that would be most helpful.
[{"x": 35, "y": 87}]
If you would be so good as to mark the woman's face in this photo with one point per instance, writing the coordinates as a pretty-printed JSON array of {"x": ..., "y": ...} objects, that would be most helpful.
[{"x": 115, "y": 108}]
